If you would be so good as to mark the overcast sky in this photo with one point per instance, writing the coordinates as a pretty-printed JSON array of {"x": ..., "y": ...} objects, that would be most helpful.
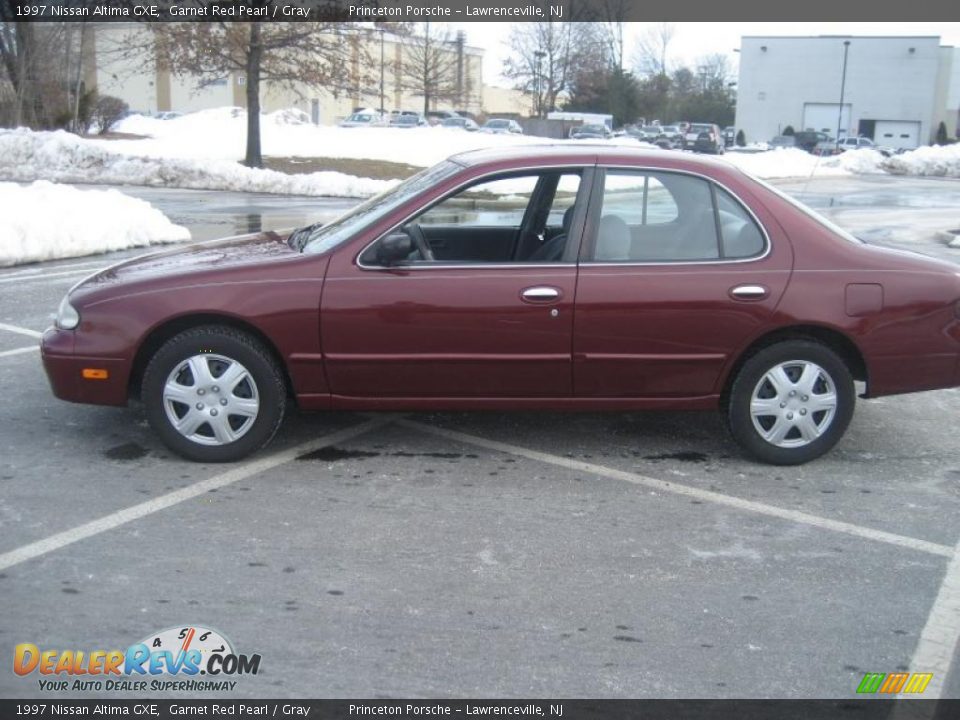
[{"x": 692, "y": 40}]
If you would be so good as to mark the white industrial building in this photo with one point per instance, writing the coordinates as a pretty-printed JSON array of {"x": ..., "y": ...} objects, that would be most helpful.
[{"x": 895, "y": 90}]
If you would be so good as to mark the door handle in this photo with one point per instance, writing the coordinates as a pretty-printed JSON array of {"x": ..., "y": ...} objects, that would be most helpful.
[
  {"x": 540, "y": 294},
  {"x": 749, "y": 292}
]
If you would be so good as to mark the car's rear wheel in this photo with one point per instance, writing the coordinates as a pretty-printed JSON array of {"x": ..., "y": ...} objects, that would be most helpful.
[
  {"x": 791, "y": 402},
  {"x": 214, "y": 394}
]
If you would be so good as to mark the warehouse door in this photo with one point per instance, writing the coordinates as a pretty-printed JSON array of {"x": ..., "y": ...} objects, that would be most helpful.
[
  {"x": 897, "y": 133},
  {"x": 823, "y": 117}
]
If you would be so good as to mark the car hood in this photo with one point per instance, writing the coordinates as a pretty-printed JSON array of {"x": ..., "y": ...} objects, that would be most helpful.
[{"x": 206, "y": 258}]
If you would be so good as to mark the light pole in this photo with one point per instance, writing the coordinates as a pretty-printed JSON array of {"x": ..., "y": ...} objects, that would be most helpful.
[
  {"x": 382, "y": 64},
  {"x": 540, "y": 55},
  {"x": 843, "y": 87}
]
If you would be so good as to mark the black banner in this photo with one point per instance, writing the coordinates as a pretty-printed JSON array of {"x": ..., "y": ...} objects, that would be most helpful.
[
  {"x": 512, "y": 11},
  {"x": 478, "y": 709}
]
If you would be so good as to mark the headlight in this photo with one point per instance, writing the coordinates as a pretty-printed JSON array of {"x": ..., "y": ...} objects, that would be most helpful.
[{"x": 67, "y": 316}]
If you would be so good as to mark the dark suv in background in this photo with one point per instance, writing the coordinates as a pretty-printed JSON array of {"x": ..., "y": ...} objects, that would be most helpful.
[{"x": 704, "y": 138}]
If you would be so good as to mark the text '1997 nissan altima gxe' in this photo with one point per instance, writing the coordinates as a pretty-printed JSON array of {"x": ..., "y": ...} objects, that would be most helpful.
[{"x": 550, "y": 278}]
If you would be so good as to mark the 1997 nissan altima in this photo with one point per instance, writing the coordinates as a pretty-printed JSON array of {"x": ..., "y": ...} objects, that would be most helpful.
[{"x": 551, "y": 278}]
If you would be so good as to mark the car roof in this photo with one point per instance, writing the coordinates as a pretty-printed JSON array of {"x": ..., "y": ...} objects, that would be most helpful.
[{"x": 588, "y": 154}]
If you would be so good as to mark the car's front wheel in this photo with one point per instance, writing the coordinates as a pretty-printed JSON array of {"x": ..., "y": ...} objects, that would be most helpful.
[
  {"x": 214, "y": 394},
  {"x": 791, "y": 402}
]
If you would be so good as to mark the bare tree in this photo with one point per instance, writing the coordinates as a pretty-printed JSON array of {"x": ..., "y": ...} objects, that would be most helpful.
[
  {"x": 286, "y": 54},
  {"x": 429, "y": 66},
  {"x": 714, "y": 73},
  {"x": 652, "y": 51},
  {"x": 545, "y": 57},
  {"x": 39, "y": 71},
  {"x": 612, "y": 16}
]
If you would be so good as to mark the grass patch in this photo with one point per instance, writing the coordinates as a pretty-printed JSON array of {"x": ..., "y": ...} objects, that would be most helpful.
[{"x": 376, "y": 169}]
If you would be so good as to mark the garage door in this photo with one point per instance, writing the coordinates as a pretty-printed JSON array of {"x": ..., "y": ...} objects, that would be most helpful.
[
  {"x": 897, "y": 133},
  {"x": 823, "y": 117}
]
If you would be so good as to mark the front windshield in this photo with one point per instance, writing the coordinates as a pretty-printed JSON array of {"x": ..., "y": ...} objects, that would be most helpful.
[
  {"x": 497, "y": 123},
  {"x": 346, "y": 226}
]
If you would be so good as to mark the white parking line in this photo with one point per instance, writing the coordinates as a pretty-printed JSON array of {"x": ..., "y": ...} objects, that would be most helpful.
[
  {"x": 678, "y": 489},
  {"x": 19, "y": 351},
  {"x": 939, "y": 638},
  {"x": 238, "y": 472},
  {"x": 35, "y": 270},
  {"x": 46, "y": 276},
  {"x": 21, "y": 330}
]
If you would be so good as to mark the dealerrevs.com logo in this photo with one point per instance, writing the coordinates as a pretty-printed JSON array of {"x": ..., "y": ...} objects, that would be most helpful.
[{"x": 191, "y": 658}]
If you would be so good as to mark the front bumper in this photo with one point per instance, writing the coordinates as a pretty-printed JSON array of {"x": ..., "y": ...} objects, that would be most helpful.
[{"x": 65, "y": 372}]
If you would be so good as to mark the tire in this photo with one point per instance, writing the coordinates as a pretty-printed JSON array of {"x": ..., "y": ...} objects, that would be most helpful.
[
  {"x": 184, "y": 385},
  {"x": 780, "y": 428}
]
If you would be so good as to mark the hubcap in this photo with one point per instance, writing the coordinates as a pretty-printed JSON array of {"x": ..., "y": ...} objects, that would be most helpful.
[
  {"x": 793, "y": 404},
  {"x": 211, "y": 399}
]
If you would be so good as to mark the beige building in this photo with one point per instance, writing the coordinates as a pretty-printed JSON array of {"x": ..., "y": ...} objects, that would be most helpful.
[
  {"x": 507, "y": 101},
  {"x": 145, "y": 88}
]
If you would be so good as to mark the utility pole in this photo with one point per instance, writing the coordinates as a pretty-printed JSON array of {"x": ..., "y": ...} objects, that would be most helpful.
[
  {"x": 843, "y": 87},
  {"x": 540, "y": 55},
  {"x": 382, "y": 65}
]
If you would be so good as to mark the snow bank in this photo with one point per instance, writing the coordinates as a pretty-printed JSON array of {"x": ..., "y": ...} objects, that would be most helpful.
[
  {"x": 220, "y": 133},
  {"x": 61, "y": 157},
  {"x": 934, "y": 160},
  {"x": 44, "y": 221},
  {"x": 792, "y": 162},
  {"x": 201, "y": 150}
]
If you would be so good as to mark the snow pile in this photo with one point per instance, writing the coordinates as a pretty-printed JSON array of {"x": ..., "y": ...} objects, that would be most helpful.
[
  {"x": 934, "y": 160},
  {"x": 44, "y": 221},
  {"x": 793, "y": 162},
  {"x": 59, "y": 156},
  {"x": 220, "y": 133}
]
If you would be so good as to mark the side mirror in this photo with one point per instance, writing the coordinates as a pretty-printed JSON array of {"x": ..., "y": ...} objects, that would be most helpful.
[{"x": 394, "y": 248}]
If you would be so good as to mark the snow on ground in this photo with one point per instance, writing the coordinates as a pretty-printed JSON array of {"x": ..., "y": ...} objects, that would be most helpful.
[
  {"x": 44, "y": 221},
  {"x": 931, "y": 160},
  {"x": 59, "y": 156},
  {"x": 201, "y": 150},
  {"x": 792, "y": 162},
  {"x": 220, "y": 133}
]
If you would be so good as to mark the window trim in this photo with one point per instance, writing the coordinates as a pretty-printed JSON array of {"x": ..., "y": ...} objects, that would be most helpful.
[
  {"x": 588, "y": 175},
  {"x": 588, "y": 244}
]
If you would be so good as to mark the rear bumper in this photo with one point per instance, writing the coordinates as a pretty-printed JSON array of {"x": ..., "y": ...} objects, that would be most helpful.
[{"x": 65, "y": 372}]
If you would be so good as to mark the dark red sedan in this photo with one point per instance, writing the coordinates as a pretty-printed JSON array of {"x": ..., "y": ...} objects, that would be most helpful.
[{"x": 551, "y": 278}]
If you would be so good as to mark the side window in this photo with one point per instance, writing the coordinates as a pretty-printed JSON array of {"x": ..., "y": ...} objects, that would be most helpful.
[
  {"x": 741, "y": 236},
  {"x": 512, "y": 218},
  {"x": 655, "y": 217},
  {"x": 495, "y": 203}
]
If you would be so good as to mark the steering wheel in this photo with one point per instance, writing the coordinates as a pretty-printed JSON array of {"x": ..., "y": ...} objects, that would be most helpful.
[{"x": 423, "y": 247}]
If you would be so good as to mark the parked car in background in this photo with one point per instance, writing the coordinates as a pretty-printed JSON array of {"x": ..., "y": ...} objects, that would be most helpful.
[
  {"x": 673, "y": 132},
  {"x": 665, "y": 142},
  {"x": 729, "y": 135},
  {"x": 860, "y": 143},
  {"x": 591, "y": 132},
  {"x": 405, "y": 120},
  {"x": 502, "y": 126},
  {"x": 649, "y": 133},
  {"x": 462, "y": 123},
  {"x": 704, "y": 138},
  {"x": 364, "y": 118},
  {"x": 168, "y": 115},
  {"x": 808, "y": 139},
  {"x": 694, "y": 286},
  {"x": 783, "y": 141},
  {"x": 436, "y": 117}
]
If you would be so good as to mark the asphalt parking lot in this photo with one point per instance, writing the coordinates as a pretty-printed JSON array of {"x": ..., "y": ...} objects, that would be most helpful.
[{"x": 481, "y": 554}]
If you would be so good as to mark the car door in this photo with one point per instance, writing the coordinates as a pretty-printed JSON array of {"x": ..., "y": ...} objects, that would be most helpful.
[
  {"x": 676, "y": 275},
  {"x": 483, "y": 325}
]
